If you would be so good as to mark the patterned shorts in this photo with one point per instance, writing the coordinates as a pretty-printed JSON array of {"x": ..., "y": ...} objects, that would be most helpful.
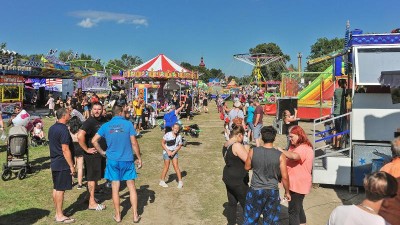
[{"x": 265, "y": 202}]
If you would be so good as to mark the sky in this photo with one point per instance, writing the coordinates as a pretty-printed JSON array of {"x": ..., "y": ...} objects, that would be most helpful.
[{"x": 185, "y": 30}]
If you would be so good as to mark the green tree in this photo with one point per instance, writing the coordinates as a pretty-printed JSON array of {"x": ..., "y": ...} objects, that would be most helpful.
[
  {"x": 3, "y": 45},
  {"x": 322, "y": 47},
  {"x": 274, "y": 70},
  {"x": 124, "y": 63},
  {"x": 204, "y": 73}
]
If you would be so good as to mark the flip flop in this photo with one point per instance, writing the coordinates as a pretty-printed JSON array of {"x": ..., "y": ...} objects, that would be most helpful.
[
  {"x": 118, "y": 221},
  {"x": 66, "y": 220},
  {"x": 138, "y": 220},
  {"x": 99, "y": 207}
]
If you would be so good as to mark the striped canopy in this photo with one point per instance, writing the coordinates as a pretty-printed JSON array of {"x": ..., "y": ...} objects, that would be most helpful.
[{"x": 160, "y": 63}]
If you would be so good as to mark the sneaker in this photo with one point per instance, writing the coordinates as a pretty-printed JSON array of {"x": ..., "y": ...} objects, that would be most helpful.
[
  {"x": 108, "y": 184},
  {"x": 79, "y": 187},
  {"x": 180, "y": 184},
  {"x": 163, "y": 184}
]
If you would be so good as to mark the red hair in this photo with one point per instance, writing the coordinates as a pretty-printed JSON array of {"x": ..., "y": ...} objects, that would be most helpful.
[{"x": 303, "y": 139}]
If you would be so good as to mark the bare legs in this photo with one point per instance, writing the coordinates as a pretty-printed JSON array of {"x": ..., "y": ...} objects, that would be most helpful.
[
  {"x": 92, "y": 201},
  {"x": 58, "y": 198},
  {"x": 79, "y": 168},
  {"x": 132, "y": 195},
  {"x": 176, "y": 168}
]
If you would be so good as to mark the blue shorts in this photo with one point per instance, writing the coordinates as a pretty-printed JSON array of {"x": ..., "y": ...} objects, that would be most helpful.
[
  {"x": 257, "y": 131},
  {"x": 120, "y": 170},
  {"x": 266, "y": 202},
  {"x": 166, "y": 157}
]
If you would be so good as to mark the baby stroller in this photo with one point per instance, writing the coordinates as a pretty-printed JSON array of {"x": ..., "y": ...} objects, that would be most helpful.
[
  {"x": 191, "y": 130},
  {"x": 34, "y": 139},
  {"x": 17, "y": 159}
]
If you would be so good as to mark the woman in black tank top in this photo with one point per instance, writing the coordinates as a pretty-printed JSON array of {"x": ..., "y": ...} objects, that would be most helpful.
[{"x": 235, "y": 177}]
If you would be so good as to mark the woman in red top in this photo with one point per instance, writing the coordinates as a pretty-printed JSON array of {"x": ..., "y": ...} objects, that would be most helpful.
[{"x": 299, "y": 165}]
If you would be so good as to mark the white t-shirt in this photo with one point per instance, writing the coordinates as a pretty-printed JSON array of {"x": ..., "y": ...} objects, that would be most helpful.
[
  {"x": 353, "y": 215},
  {"x": 169, "y": 137}
]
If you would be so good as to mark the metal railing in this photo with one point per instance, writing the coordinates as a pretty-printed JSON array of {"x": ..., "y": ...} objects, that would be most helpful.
[{"x": 346, "y": 134}]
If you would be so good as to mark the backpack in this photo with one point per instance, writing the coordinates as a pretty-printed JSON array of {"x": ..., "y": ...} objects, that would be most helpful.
[{"x": 237, "y": 121}]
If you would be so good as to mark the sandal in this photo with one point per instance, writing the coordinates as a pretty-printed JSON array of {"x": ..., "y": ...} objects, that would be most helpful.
[
  {"x": 66, "y": 220},
  {"x": 138, "y": 220},
  {"x": 118, "y": 221},
  {"x": 99, "y": 207}
]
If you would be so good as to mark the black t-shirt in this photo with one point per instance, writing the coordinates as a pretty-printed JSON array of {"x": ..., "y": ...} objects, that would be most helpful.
[
  {"x": 91, "y": 126},
  {"x": 58, "y": 135}
]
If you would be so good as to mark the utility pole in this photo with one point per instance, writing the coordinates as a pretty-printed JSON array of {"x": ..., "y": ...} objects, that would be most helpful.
[{"x": 299, "y": 56}]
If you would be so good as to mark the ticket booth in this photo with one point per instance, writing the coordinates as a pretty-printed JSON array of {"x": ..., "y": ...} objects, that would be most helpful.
[{"x": 11, "y": 92}]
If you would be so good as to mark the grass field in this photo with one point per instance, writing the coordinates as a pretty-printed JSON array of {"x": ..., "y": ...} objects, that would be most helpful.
[{"x": 201, "y": 201}]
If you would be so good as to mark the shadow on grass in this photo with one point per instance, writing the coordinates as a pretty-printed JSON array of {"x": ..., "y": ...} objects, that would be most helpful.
[
  {"x": 40, "y": 164},
  {"x": 145, "y": 196},
  {"x": 195, "y": 143},
  {"x": 26, "y": 216},
  {"x": 173, "y": 177}
]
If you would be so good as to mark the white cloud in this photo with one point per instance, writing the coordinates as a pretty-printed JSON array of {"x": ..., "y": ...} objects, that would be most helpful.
[
  {"x": 86, "y": 23},
  {"x": 91, "y": 18}
]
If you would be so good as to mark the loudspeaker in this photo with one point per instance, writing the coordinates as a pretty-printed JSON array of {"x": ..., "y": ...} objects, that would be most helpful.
[{"x": 285, "y": 103}]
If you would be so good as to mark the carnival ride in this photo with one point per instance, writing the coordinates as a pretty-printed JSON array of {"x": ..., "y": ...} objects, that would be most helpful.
[{"x": 258, "y": 60}]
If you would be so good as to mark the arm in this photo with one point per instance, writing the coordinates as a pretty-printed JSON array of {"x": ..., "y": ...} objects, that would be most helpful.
[
  {"x": 290, "y": 155},
  {"x": 295, "y": 113},
  {"x": 1, "y": 121},
  {"x": 68, "y": 157},
  {"x": 82, "y": 142},
  {"x": 164, "y": 146},
  {"x": 95, "y": 142},
  {"x": 257, "y": 119},
  {"x": 136, "y": 149},
  {"x": 247, "y": 164},
  {"x": 240, "y": 151},
  {"x": 285, "y": 176},
  {"x": 179, "y": 109}
]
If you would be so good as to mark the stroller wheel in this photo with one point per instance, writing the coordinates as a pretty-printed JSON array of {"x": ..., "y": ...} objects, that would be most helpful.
[
  {"x": 22, "y": 173},
  {"x": 6, "y": 175}
]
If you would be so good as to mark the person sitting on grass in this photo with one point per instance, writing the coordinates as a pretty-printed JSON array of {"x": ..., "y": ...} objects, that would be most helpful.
[{"x": 38, "y": 132}]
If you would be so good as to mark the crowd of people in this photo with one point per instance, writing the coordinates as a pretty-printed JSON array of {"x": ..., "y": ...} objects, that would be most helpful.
[{"x": 290, "y": 167}]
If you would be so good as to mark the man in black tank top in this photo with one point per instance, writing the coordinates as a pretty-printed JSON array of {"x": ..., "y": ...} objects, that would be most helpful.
[{"x": 269, "y": 168}]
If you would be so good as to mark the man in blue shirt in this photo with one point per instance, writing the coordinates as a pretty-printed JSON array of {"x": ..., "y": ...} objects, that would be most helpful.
[{"x": 121, "y": 142}]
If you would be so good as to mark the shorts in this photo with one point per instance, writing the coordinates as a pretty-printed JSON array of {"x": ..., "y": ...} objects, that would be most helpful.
[
  {"x": 205, "y": 103},
  {"x": 137, "y": 119},
  {"x": 94, "y": 167},
  {"x": 78, "y": 150},
  {"x": 251, "y": 126},
  {"x": 257, "y": 131},
  {"x": 266, "y": 202},
  {"x": 62, "y": 180},
  {"x": 166, "y": 157},
  {"x": 86, "y": 108},
  {"x": 120, "y": 170}
]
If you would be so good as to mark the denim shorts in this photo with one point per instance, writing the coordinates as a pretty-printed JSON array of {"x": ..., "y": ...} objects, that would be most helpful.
[
  {"x": 120, "y": 170},
  {"x": 166, "y": 157},
  {"x": 138, "y": 119},
  {"x": 257, "y": 131}
]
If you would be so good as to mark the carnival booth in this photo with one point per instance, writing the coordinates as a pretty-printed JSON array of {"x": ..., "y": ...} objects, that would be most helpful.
[
  {"x": 11, "y": 92},
  {"x": 159, "y": 69}
]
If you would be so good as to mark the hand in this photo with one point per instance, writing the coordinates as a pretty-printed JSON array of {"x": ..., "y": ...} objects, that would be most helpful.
[
  {"x": 169, "y": 153},
  {"x": 138, "y": 162},
  {"x": 287, "y": 197},
  {"x": 72, "y": 170},
  {"x": 91, "y": 151}
]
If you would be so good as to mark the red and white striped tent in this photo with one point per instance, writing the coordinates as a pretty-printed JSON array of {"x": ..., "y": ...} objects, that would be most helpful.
[{"x": 161, "y": 67}]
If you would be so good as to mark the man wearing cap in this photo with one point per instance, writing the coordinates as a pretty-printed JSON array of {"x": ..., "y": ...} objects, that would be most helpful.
[{"x": 257, "y": 121}]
